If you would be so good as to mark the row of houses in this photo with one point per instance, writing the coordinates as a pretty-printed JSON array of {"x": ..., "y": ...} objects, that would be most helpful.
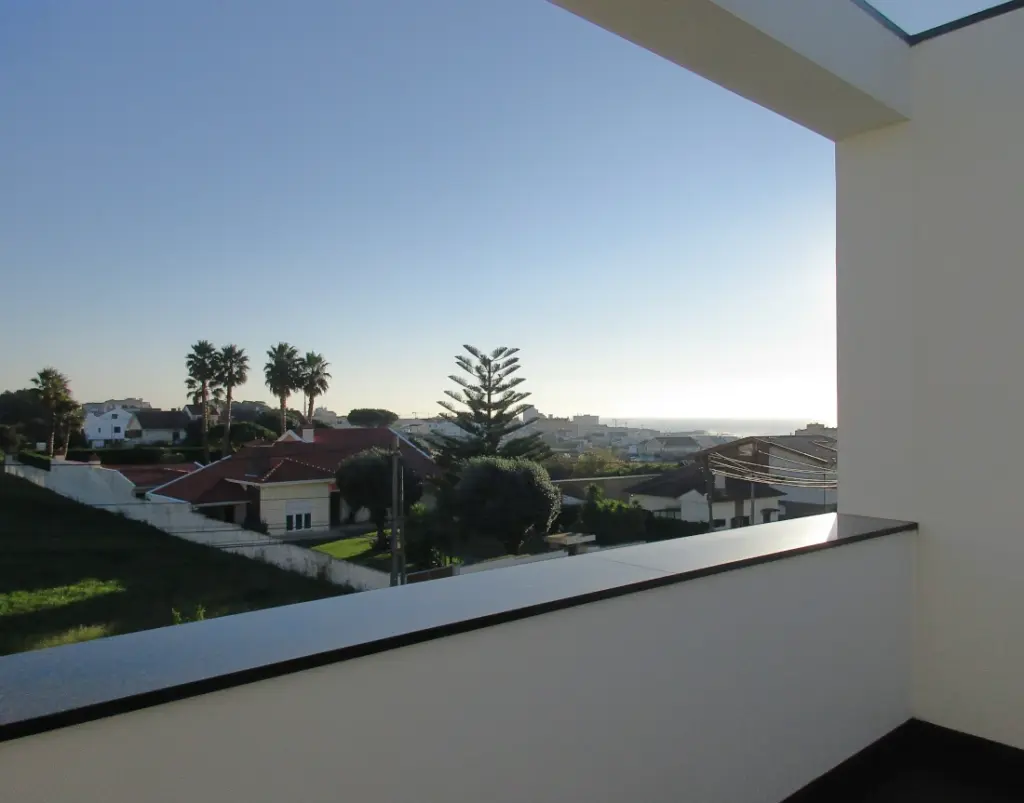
[{"x": 134, "y": 422}]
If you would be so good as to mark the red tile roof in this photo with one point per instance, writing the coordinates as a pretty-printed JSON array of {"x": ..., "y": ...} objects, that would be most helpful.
[
  {"x": 221, "y": 492},
  {"x": 150, "y": 476},
  {"x": 292, "y": 461}
]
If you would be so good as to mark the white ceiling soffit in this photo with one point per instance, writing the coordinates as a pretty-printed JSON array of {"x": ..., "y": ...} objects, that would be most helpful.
[{"x": 825, "y": 64}]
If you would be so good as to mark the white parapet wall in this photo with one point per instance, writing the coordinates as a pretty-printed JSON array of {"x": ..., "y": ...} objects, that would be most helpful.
[
  {"x": 739, "y": 687},
  {"x": 110, "y": 490}
]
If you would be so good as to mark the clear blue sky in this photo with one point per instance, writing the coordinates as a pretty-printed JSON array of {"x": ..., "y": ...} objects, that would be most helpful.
[{"x": 384, "y": 180}]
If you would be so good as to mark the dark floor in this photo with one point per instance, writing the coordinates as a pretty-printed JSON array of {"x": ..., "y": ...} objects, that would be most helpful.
[{"x": 930, "y": 787}]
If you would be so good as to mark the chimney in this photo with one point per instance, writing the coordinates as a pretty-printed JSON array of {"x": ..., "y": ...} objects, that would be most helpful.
[{"x": 308, "y": 434}]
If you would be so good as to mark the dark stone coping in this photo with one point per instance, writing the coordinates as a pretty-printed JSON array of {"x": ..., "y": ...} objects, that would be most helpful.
[{"x": 61, "y": 686}]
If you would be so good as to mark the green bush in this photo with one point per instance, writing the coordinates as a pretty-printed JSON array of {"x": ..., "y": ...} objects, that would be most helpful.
[
  {"x": 142, "y": 455},
  {"x": 611, "y": 521},
  {"x": 34, "y": 459},
  {"x": 662, "y": 529}
]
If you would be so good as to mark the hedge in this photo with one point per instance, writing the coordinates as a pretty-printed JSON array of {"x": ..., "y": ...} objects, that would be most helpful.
[
  {"x": 143, "y": 455},
  {"x": 34, "y": 459}
]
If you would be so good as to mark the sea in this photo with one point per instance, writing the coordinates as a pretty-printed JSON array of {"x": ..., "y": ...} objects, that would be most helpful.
[{"x": 740, "y": 427}]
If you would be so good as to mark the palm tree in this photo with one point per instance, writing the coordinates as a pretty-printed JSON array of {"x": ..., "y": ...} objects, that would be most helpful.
[
  {"x": 315, "y": 379},
  {"x": 51, "y": 386},
  {"x": 283, "y": 374},
  {"x": 71, "y": 417},
  {"x": 232, "y": 371},
  {"x": 201, "y": 364}
]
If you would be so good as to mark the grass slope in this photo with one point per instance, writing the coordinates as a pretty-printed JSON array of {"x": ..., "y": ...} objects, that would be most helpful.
[{"x": 69, "y": 572}]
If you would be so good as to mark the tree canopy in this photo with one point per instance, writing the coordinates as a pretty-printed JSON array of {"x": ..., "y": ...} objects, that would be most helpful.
[
  {"x": 315, "y": 379},
  {"x": 487, "y": 407},
  {"x": 54, "y": 394},
  {"x": 371, "y": 417},
  {"x": 201, "y": 365},
  {"x": 232, "y": 366},
  {"x": 283, "y": 375},
  {"x": 364, "y": 481},
  {"x": 505, "y": 498}
]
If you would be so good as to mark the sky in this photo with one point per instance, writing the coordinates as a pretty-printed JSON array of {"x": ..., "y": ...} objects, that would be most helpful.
[
  {"x": 383, "y": 181},
  {"x": 915, "y": 16}
]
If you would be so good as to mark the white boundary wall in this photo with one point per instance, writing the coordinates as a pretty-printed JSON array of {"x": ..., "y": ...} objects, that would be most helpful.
[{"x": 109, "y": 489}]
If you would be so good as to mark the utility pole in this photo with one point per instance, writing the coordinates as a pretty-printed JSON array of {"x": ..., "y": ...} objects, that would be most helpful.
[
  {"x": 396, "y": 506},
  {"x": 709, "y": 480}
]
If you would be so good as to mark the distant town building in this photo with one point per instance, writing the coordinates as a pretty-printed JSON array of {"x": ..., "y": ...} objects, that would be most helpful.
[
  {"x": 95, "y": 408},
  {"x": 330, "y": 418},
  {"x": 819, "y": 429}
]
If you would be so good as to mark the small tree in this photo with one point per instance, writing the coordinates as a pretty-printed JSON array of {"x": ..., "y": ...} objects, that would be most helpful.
[
  {"x": 487, "y": 408},
  {"x": 364, "y": 481},
  {"x": 371, "y": 417},
  {"x": 505, "y": 498}
]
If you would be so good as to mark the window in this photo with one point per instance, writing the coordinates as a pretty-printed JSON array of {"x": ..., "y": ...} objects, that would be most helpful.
[
  {"x": 114, "y": 416},
  {"x": 719, "y": 523},
  {"x": 116, "y": 429},
  {"x": 298, "y": 521}
]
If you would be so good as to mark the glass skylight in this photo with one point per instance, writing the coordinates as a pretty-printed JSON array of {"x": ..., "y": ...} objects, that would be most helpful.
[{"x": 918, "y": 16}]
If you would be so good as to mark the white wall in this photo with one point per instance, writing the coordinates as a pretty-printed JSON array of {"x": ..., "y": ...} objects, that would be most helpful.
[
  {"x": 170, "y": 436},
  {"x": 694, "y": 507},
  {"x": 101, "y": 427},
  {"x": 277, "y": 501},
  {"x": 691, "y": 692},
  {"x": 930, "y": 288}
]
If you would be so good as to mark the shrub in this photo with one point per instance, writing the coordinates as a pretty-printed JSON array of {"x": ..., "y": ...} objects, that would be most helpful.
[
  {"x": 34, "y": 459},
  {"x": 141, "y": 455},
  {"x": 505, "y": 499}
]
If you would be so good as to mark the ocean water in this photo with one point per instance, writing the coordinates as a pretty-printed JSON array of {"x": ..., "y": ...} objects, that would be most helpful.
[{"x": 740, "y": 427}]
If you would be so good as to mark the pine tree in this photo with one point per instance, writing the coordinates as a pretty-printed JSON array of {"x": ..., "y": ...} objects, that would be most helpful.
[{"x": 487, "y": 408}]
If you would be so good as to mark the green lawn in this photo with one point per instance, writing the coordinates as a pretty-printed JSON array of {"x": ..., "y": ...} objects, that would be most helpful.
[
  {"x": 71, "y": 573},
  {"x": 359, "y": 549}
]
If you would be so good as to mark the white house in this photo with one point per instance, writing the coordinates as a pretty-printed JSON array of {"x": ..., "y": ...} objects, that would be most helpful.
[
  {"x": 682, "y": 494},
  {"x": 108, "y": 426},
  {"x": 158, "y": 427}
]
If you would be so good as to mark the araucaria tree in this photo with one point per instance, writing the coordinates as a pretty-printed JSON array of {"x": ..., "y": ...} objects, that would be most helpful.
[
  {"x": 283, "y": 376},
  {"x": 201, "y": 364},
  {"x": 364, "y": 481},
  {"x": 232, "y": 371},
  {"x": 506, "y": 499},
  {"x": 487, "y": 408},
  {"x": 315, "y": 379},
  {"x": 52, "y": 390}
]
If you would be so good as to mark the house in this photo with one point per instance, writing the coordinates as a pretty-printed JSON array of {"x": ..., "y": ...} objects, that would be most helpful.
[
  {"x": 802, "y": 467},
  {"x": 289, "y": 483},
  {"x": 153, "y": 427},
  {"x": 195, "y": 412},
  {"x": 682, "y": 494},
  {"x": 108, "y": 426}
]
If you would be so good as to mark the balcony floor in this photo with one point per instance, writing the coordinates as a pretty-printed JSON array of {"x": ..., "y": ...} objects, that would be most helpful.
[{"x": 932, "y": 787}]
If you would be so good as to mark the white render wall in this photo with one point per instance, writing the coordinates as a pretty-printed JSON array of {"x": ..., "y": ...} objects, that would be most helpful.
[
  {"x": 709, "y": 701},
  {"x": 277, "y": 501},
  {"x": 931, "y": 352}
]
